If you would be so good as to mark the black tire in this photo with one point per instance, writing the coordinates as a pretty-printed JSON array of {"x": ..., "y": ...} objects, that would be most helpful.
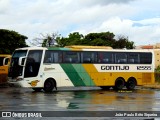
[
  {"x": 105, "y": 87},
  {"x": 119, "y": 84},
  {"x": 131, "y": 84},
  {"x": 48, "y": 85},
  {"x": 37, "y": 89}
]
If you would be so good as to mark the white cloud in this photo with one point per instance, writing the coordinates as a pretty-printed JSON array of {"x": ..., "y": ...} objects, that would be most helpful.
[
  {"x": 148, "y": 33},
  {"x": 122, "y": 17},
  {"x": 4, "y": 4}
]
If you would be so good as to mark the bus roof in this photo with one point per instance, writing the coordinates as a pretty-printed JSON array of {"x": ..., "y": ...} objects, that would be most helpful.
[
  {"x": 32, "y": 48},
  {"x": 85, "y": 48},
  {"x": 88, "y": 47}
]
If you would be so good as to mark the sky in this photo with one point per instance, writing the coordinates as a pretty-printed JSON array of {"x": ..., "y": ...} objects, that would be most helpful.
[{"x": 139, "y": 20}]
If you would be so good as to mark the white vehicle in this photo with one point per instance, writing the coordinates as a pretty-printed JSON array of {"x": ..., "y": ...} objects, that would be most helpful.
[{"x": 48, "y": 68}]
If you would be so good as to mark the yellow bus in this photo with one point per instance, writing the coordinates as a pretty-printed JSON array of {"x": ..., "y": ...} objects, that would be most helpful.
[
  {"x": 4, "y": 63},
  {"x": 49, "y": 68}
]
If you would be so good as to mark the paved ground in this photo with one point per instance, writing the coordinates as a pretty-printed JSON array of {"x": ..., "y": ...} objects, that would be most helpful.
[{"x": 80, "y": 99}]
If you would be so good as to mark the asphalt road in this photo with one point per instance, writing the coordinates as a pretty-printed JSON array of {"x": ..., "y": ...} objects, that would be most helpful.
[{"x": 79, "y": 99}]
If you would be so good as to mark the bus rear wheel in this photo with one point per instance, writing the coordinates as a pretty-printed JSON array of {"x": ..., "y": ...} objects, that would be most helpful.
[
  {"x": 119, "y": 84},
  {"x": 131, "y": 84},
  {"x": 49, "y": 85}
]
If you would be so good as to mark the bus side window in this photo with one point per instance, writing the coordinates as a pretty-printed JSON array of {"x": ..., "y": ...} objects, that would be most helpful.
[
  {"x": 121, "y": 58},
  {"x": 52, "y": 57},
  {"x": 133, "y": 58},
  {"x": 47, "y": 59},
  {"x": 105, "y": 60},
  {"x": 105, "y": 57},
  {"x": 57, "y": 57},
  {"x": 68, "y": 60},
  {"x": 145, "y": 58},
  {"x": 71, "y": 57},
  {"x": 87, "y": 60},
  {"x": 88, "y": 57}
]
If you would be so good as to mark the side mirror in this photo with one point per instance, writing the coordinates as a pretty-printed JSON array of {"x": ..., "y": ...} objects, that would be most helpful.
[
  {"x": 21, "y": 61},
  {"x": 6, "y": 61}
]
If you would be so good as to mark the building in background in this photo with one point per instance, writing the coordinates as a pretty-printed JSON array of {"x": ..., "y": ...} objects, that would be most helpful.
[{"x": 156, "y": 49}]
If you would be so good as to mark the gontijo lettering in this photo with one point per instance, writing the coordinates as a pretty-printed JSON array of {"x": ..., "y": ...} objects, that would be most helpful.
[{"x": 103, "y": 67}]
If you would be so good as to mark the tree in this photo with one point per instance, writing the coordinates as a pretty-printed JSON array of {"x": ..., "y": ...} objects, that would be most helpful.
[
  {"x": 100, "y": 39},
  {"x": 46, "y": 40},
  {"x": 73, "y": 39},
  {"x": 10, "y": 40},
  {"x": 123, "y": 42},
  {"x": 93, "y": 39}
]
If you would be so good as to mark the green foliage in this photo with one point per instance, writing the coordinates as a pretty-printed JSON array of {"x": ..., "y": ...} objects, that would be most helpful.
[
  {"x": 157, "y": 74},
  {"x": 123, "y": 42},
  {"x": 10, "y": 40},
  {"x": 95, "y": 39},
  {"x": 73, "y": 39},
  {"x": 157, "y": 69}
]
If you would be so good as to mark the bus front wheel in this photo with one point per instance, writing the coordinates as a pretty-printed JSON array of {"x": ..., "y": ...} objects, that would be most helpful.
[
  {"x": 49, "y": 85},
  {"x": 119, "y": 84}
]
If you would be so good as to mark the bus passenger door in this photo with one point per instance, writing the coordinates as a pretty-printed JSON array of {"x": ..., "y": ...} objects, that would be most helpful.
[{"x": 32, "y": 69}]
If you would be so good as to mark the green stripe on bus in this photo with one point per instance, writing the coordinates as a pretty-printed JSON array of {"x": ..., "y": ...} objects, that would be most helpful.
[
  {"x": 72, "y": 74},
  {"x": 83, "y": 74}
]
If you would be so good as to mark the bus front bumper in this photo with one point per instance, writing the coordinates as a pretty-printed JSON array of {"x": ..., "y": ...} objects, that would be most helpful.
[{"x": 19, "y": 83}]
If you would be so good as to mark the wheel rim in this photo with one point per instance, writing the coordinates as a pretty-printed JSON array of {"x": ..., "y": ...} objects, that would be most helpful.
[
  {"x": 119, "y": 84},
  {"x": 131, "y": 84},
  {"x": 48, "y": 86}
]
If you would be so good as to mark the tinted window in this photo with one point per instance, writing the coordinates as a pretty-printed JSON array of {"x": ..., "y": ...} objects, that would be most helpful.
[
  {"x": 133, "y": 58},
  {"x": 53, "y": 57},
  {"x": 88, "y": 57},
  {"x": 71, "y": 57},
  {"x": 145, "y": 58},
  {"x": 121, "y": 58},
  {"x": 19, "y": 53},
  {"x": 105, "y": 57}
]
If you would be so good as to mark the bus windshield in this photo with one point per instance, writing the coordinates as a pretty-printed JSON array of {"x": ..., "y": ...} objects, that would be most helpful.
[
  {"x": 16, "y": 70},
  {"x": 19, "y": 53}
]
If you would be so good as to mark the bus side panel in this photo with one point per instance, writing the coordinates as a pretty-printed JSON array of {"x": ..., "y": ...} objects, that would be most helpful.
[
  {"x": 56, "y": 72},
  {"x": 77, "y": 74},
  {"x": 99, "y": 78},
  {"x": 108, "y": 78},
  {"x": 84, "y": 76},
  {"x": 148, "y": 78}
]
